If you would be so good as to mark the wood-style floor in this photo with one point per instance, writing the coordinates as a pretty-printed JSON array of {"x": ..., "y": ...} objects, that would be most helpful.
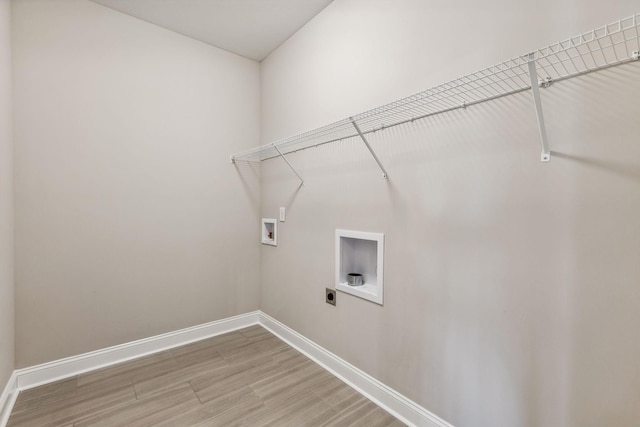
[{"x": 248, "y": 377}]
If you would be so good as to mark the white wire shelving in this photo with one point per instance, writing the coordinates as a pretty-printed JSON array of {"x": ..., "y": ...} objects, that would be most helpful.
[{"x": 611, "y": 45}]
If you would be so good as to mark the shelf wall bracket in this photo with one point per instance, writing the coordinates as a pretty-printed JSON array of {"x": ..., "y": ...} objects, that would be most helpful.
[
  {"x": 545, "y": 156},
  {"x": 373, "y": 153},
  {"x": 288, "y": 164}
]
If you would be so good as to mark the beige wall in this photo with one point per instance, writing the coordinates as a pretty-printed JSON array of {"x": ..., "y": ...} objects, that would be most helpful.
[
  {"x": 6, "y": 199},
  {"x": 130, "y": 221},
  {"x": 511, "y": 285}
]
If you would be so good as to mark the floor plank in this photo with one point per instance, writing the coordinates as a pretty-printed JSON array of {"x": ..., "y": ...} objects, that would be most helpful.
[{"x": 247, "y": 377}]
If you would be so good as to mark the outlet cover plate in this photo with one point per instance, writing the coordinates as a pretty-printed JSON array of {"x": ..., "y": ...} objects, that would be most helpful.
[{"x": 330, "y": 296}]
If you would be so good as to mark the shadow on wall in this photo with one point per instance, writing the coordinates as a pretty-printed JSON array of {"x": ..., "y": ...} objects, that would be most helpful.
[
  {"x": 604, "y": 260},
  {"x": 622, "y": 169},
  {"x": 292, "y": 197},
  {"x": 249, "y": 173}
]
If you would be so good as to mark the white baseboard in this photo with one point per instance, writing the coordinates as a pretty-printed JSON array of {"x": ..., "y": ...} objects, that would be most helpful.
[
  {"x": 70, "y": 366},
  {"x": 393, "y": 402},
  {"x": 7, "y": 399},
  {"x": 396, "y": 404}
]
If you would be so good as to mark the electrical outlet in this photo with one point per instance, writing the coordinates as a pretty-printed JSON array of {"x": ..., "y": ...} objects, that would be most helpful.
[
  {"x": 330, "y": 296},
  {"x": 282, "y": 214}
]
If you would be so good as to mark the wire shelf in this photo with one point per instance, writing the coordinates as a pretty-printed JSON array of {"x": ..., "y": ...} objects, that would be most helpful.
[{"x": 601, "y": 48}]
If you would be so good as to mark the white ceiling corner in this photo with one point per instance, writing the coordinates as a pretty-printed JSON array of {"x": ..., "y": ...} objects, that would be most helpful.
[{"x": 250, "y": 28}]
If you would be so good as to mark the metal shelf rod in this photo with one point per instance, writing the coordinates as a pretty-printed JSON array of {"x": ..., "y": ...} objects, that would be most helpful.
[
  {"x": 373, "y": 153},
  {"x": 403, "y": 122},
  {"x": 289, "y": 164},
  {"x": 604, "y": 47},
  {"x": 410, "y": 120},
  {"x": 545, "y": 156}
]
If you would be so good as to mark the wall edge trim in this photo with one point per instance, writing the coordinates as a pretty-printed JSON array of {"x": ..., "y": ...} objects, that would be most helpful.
[
  {"x": 384, "y": 396},
  {"x": 63, "y": 368},
  {"x": 8, "y": 398}
]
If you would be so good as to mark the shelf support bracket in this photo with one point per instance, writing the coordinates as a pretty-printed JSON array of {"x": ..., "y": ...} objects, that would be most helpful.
[
  {"x": 288, "y": 164},
  {"x": 545, "y": 156},
  {"x": 373, "y": 153}
]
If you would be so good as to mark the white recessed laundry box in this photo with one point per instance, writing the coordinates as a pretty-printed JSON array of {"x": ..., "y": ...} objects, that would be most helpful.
[
  {"x": 359, "y": 264},
  {"x": 269, "y": 231}
]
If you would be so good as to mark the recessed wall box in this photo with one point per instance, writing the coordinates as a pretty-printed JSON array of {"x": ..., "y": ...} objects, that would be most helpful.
[
  {"x": 269, "y": 231},
  {"x": 360, "y": 254}
]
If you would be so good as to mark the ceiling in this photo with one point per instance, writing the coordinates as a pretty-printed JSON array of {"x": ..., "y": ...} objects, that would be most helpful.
[{"x": 250, "y": 28}]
